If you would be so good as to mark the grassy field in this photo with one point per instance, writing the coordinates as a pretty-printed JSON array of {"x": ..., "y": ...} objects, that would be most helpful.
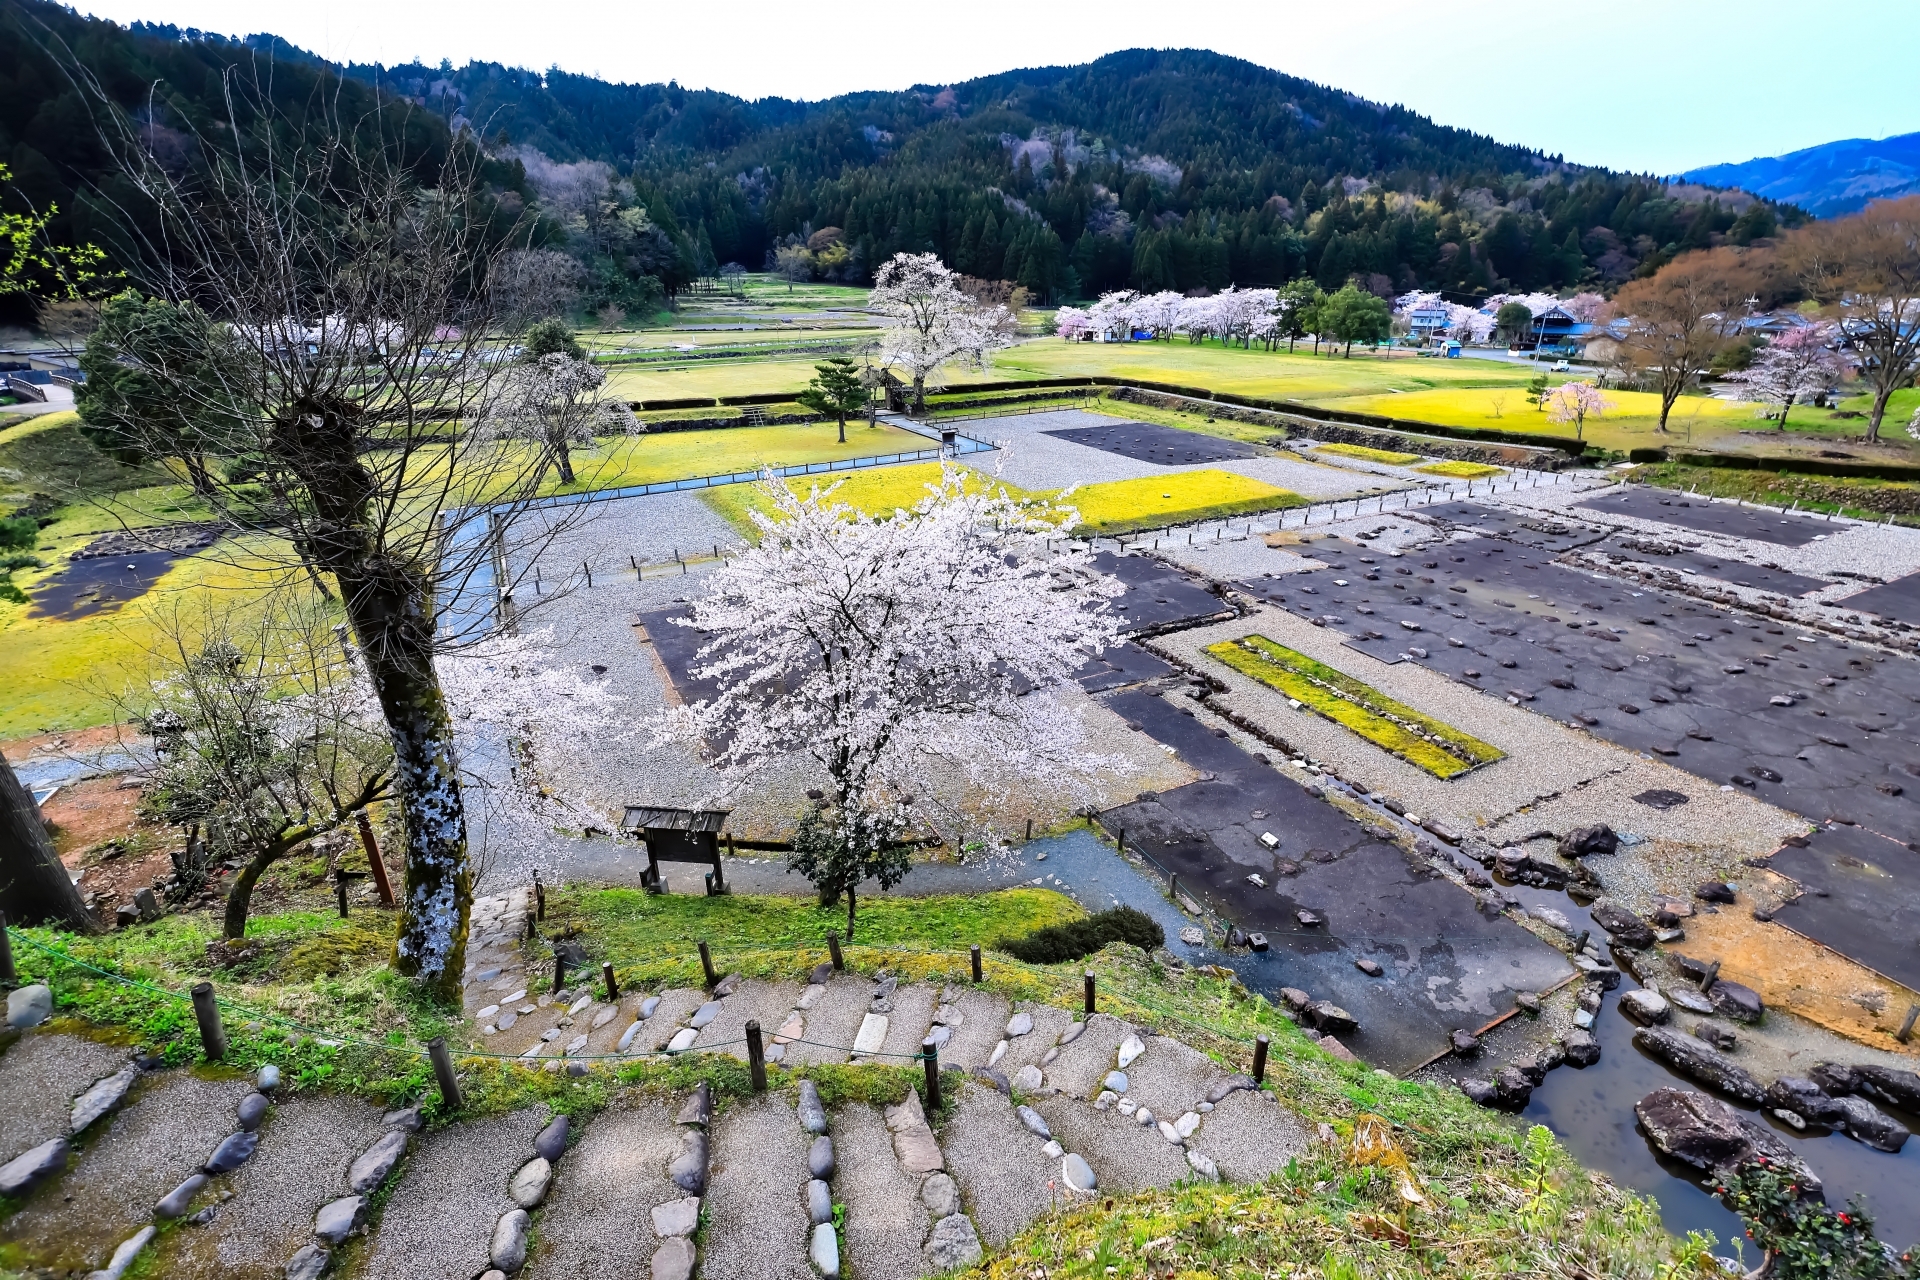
[
  {"x": 1274, "y": 374},
  {"x": 1114, "y": 507},
  {"x": 1862, "y": 499},
  {"x": 678, "y": 455},
  {"x": 1461, "y": 470},
  {"x": 1631, "y": 426},
  {"x": 1369, "y": 455}
]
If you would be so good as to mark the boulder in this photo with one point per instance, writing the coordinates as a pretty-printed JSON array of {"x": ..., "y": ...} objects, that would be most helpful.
[
  {"x": 1330, "y": 1019},
  {"x": 1721, "y": 1038},
  {"x": 1598, "y": 971},
  {"x": 551, "y": 1142},
  {"x": 1864, "y": 1122},
  {"x": 29, "y": 1006},
  {"x": 1732, "y": 1000},
  {"x": 1463, "y": 1042},
  {"x": 953, "y": 1244},
  {"x": 1889, "y": 1085},
  {"x": 1517, "y": 864},
  {"x": 1628, "y": 929},
  {"x": 1581, "y": 1048},
  {"x": 1696, "y": 1061},
  {"x": 1645, "y": 1005},
  {"x": 1512, "y": 1088},
  {"x": 1804, "y": 1098},
  {"x": 1710, "y": 1135},
  {"x": 1583, "y": 841}
]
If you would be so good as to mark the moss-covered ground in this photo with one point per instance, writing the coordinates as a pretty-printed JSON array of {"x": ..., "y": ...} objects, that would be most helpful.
[
  {"x": 1458, "y": 470},
  {"x": 1370, "y": 455}
]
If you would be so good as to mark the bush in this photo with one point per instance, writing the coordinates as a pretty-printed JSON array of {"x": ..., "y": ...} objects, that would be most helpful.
[{"x": 1058, "y": 943}]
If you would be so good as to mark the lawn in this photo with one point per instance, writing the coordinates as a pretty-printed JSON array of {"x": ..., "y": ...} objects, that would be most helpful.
[
  {"x": 679, "y": 455},
  {"x": 1630, "y": 426},
  {"x": 1114, "y": 507},
  {"x": 1419, "y": 739}
]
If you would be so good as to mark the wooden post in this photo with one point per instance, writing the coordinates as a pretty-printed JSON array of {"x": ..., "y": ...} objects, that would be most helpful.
[
  {"x": 930, "y": 1051},
  {"x": 213, "y": 1037},
  {"x": 1906, "y": 1026},
  {"x": 1029, "y": 828},
  {"x": 1713, "y": 972},
  {"x": 340, "y": 892},
  {"x": 613, "y": 988},
  {"x": 374, "y": 861},
  {"x": 8, "y": 977},
  {"x": 833, "y": 949},
  {"x": 1089, "y": 991},
  {"x": 1120, "y": 841},
  {"x": 539, "y": 898},
  {"x": 756, "y": 1056},
  {"x": 973, "y": 953},
  {"x": 706, "y": 965},
  {"x": 533, "y": 930},
  {"x": 443, "y": 1073},
  {"x": 1260, "y": 1058},
  {"x": 559, "y": 969},
  {"x": 1173, "y": 887}
]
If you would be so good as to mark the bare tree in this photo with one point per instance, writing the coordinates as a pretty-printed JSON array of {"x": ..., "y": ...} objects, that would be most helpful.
[
  {"x": 1866, "y": 268},
  {"x": 793, "y": 264},
  {"x": 559, "y": 404},
  {"x": 536, "y": 284},
  {"x": 1673, "y": 322},
  {"x": 343, "y": 253}
]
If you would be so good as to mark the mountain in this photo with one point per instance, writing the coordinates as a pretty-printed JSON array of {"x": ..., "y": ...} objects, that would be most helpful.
[
  {"x": 1146, "y": 169},
  {"x": 1828, "y": 180}
]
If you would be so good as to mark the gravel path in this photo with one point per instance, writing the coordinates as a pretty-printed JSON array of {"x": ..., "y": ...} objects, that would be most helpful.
[
  {"x": 908, "y": 1024},
  {"x": 834, "y": 1020},
  {"x": 1084, "y": 1063},
  {"x": 767, "y": 1002},
  {"x": 306, "y": 1146},
  {"x": 886, "y": 1223},
  {"x": 1171, "y": 1079},
  {"x": 173, "y": 1123},
  {"x": 757, "y": 1214},
  {"x": 1002, "y": 1171},
  {"x": 675, "y": 1007},
  {"x": 597, "y": 1219},
  {"x": 649, "y": 529},
  {"x": 1125, "y": 1155},
  {"x": 439, "y": 1223},
  {"x": 42, "y": 1074},
  {"x": 1249, "y": 1136},
  {"x": 983, "y": 1021},
  {"x": 1048, "y": 1023}
]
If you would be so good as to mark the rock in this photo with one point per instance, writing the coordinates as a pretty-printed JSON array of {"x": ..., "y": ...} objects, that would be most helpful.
[
  {"x": 905, "y": 1114},
  {"x": 819, "y": 1202},
  {"x": 813, "y": 1116},
  {"x": 1721, "y": 1038},
  {"x": 551, "y": 1142},
  {"x": 1628, "y": 929},
  {"x": 1645, "y": 1005},
  {"x": 1598, "y": 971},
  {"x": 1027, "y": 1079},
  {"x": 309, "y": 1262},
  {"x": 1551, "y": 918},
  {"x": 688, "y": 1170},
  {"x": 1732, "y": 1000},
  {"x": 953, "y": 1244},
  {"x": 1836, "y": 1078},
  {"x": 1116, "y": 1081},
  {"x": 1528, "y": 1003},
  {"x": 1708, "y": 1134},
  {"x": 373, "y": 1166},
  {"x": 1130, "y": 1049},
  {"x": 917, "y": 1150},
  {"x": 647, "y": 1007},
  {"x": 1479, "y": 1091},
  {"x": 1035, "y": 1122},
  {"x": 1192, "y": 937},
  {"x": 1076, "y": 1174},
  {"x": 626, "y": 1037},
  {"x": 872, "y": 1033},
  {"x": 698, "y": 1108},
  {"x": 1187, "y": 1125},
  {"x": 1019, "y": 1024},
  {"x": 130, "y": 1247},
  {"x": 821, "y": 975},
  {"x": 1203, "y": 1166},
  {"x": 104, "y": 1095},
  {"x": 529, "y": 1185},
  {"x": 1516, "y": 863},
  {"x": 234, "y": 1150},
  {"x": 996, "y": 1078},
  {"x": 174, "y": 1204},
  {"x": 823, "y": 1250},
  {"x": 677, "y": 1218},
  {"x": 1463, "y": 1042},
  {"x": 1695, "y": 1060},
  {"x": 29, "y": 1006},
  {"x": 1582, "y": 1049},
  {"x": 1296, "y": 999},
  {"x": 811, "y": 996},
  {"x": 508, "y": 1250},
  {"x": 602, "y": 1018},
  {"x": 1512, "y": 1087},
  {"x": 1369, "y": 967},
  {"x": 1330, "y": 1019},
  {"x": 1333, "y": 1046},
  {"x": 1689, "y": 999},
  {"x": 1584, "y": 841},
  {"x": 268, "y": 1080},
  {"x": 337, "y": 1218},
  {"x": 1804, "y": 1098},
  {"x": 1866, "y": 1123},
  {"x": 941, "y": 1196},
  {"x": 705, "y": 1014},
  {"x": 727, "y": 985},
  {"x": 673, "y": 1260},
  {"x": 1232, "y": 1084},
  {"x": 820, "y": 1158},
  {"x": 1715, "y": 891},
  {"x": 1889, "y": 1085},
  {"x": 1168, "y": 1132}
]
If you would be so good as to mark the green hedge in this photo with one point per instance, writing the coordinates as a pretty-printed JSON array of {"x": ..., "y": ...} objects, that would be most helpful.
[{"x": 1059, "y": 943}]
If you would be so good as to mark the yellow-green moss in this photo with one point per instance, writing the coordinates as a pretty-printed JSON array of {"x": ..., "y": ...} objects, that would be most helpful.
[
  {"x": 1461, "y": 470},
  {"x": 1370, "y": 455}
]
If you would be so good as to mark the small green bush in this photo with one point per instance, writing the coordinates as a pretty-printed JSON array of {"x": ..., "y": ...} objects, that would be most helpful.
[{"x": 1058, "y": 943}]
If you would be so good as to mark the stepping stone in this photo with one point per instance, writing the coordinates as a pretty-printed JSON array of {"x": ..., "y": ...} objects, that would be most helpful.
[
  {"x": 575, "y": 1045},
  {"x": 578, "y": 1005},
  {"x": 704, "y": 1014},
  {"x": 872, "y": 1034},
  {"x": 953, "y": 1244},
  {"x": 682, "y": 1217},
  {"x": 673, "y": 1260},
  {"x": 253, "y": 1109},
  {"x": 102, "y": 1097},
  {"x": 338, "y": 1218},
  {"x": 813, "y": 1116},
  {"x": 1116, "y": 1081},
  {"x": 529, "y": 1185},
  {"x": 1187, "y": 1125},
  {"x": 1203, "y": 1166},
  {"x": 792, "y": 1029}
]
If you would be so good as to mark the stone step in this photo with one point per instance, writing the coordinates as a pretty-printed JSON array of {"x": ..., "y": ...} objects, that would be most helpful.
[
  {"x": 886, "y": 1220},
  {"x": 907, "y": 1023},
  {"x": 983, "y": 1020},
  {"x": 169, "y": 1126},
  {"x": 439, "y": 1223},
  {"x": 306, "y": 1147},
  {"x": 1124, "y": 1155},
  {"x": 40, "y": 1075},
  {"x": 832, "y": 1020},
  {"x": 757, "y": 1226},
  {"x": 769, "y": 1003},
  {"x": 1048, "y": 1023},
  {"x": 1002, "y": 1169},
  {"x": 598, "y": 1218}
]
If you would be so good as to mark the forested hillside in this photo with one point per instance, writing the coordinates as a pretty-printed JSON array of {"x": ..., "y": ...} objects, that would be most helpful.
[{"x": 1182, "y": 169}]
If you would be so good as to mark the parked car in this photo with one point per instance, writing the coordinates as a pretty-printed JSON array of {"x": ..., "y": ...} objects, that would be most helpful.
[{"x": 1559, "y": 366}]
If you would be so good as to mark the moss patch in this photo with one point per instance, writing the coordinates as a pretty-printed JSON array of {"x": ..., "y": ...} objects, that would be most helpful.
[
  {"x": 1370, "y": 455},
  {"x": 1120, "y": 506},
  {"x": 1440, "y": 749},
  {"x": 1461, "y": 470}
]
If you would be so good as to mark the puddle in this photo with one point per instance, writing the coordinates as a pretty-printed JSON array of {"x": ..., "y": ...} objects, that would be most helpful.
[
  {"x": 1591, "y": 1110},
  {"x": 99, "y": 583}
]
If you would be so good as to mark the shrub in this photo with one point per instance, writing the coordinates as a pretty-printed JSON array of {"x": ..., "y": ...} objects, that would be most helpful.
[{"x": 1059, "y": 943}]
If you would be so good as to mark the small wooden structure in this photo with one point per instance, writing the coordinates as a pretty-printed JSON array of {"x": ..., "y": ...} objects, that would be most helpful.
[{"x": 678, "y": 835}]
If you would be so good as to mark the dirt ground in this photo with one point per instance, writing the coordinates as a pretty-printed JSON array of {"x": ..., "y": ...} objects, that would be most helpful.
[{"x": 64, "y": 741}]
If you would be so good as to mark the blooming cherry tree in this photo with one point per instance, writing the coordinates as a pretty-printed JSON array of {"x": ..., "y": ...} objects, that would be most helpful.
[
  {"x": 559, "y": 403},
  {"x": 1796, "y": 366},
  {"x": 878, "y": 644},
  {"x": 1571, "y": 402},
  {"x": 1072, "y": 323},
  {"x": 929, "y": 321}
]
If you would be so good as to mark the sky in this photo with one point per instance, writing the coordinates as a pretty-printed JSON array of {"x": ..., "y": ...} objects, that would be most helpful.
[{"x": 1656, "y": 86}]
